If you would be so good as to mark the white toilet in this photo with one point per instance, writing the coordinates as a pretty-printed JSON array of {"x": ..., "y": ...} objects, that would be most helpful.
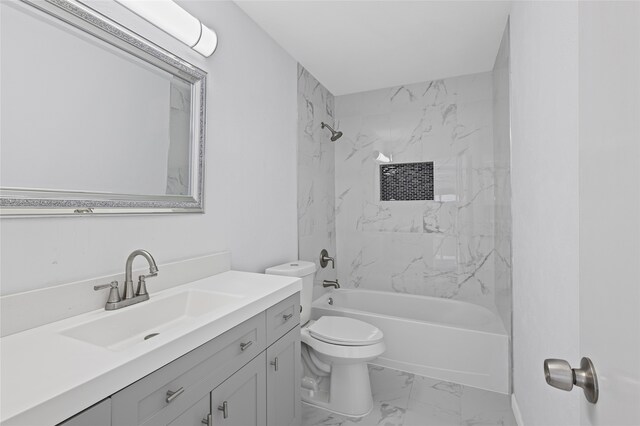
[{"x": 335, "y": 351}]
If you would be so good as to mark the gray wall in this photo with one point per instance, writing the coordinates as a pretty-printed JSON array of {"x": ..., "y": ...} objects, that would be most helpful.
[
  {"x": 250, "y": 197},
  {"x": 544, "y": 117}
]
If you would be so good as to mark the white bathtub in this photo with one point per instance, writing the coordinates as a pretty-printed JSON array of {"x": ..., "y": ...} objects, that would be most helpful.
[{"x": 441, "y": 338}]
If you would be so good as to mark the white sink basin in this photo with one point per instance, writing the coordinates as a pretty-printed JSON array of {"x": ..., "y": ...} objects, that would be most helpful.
[{"x": 129, "y": 326}]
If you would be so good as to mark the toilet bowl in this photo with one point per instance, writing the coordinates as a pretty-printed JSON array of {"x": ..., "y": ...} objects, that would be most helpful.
[{"x": 335, "y": 351}]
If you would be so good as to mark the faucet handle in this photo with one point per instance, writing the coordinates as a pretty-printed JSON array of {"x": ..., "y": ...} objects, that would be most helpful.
[
  {"x": 142, "y": 284},
  {"x": 325, "y": 259},
  {"x": 114, "y": 294}
]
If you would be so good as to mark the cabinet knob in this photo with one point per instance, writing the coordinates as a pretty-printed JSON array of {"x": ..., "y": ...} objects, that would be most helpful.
[
  {"x": 225, "y": 409},
  {"x": 275, "y": 363},
  {"x": 244, "y": 346}
]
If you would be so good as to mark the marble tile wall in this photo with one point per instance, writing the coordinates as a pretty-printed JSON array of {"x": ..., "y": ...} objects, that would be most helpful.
[
  {"x": 502, "y": 156},
  {"x": 316, "y": 175},
  {"x": 442, "y": 248}
]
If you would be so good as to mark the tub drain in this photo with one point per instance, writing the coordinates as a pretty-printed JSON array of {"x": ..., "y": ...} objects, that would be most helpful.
[{"x": 150, "y": 336}]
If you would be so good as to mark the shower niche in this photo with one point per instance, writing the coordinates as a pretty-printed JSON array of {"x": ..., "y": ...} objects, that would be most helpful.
[{"x": 406, "y": 181}]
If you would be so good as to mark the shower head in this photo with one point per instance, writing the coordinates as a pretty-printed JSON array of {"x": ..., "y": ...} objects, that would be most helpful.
[{"x": 334, "y": 135}]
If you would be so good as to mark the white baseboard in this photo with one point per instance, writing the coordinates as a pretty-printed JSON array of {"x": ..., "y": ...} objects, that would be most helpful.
[{"x": 516, "y": 410}]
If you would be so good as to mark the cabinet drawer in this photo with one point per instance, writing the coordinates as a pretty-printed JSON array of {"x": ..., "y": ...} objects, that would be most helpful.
[
  {"x": 282, "y": 317},
  {"x": 191, "y": 376}
]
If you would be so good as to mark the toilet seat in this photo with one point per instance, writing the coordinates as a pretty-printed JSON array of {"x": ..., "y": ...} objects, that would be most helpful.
[
  {"x": 344, "y": 331},
  {"x": 341, "y": 353}
]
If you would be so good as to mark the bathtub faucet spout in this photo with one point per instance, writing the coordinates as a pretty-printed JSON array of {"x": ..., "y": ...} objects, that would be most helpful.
[{"x": 329, "y": 283}]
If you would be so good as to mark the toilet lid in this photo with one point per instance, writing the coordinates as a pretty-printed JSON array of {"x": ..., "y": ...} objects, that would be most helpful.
[{"x": 345, "y": 331}]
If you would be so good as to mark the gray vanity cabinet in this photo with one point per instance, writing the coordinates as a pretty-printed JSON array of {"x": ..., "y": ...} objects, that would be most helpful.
[
  {"x": 235, "y": 373},
  {"x": 283, "y": 380}
]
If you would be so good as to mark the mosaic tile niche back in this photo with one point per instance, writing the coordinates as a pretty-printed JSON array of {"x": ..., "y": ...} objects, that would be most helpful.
[{"x": 406, "y": 182}]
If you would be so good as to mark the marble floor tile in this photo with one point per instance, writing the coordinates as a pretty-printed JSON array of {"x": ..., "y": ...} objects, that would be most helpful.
[
  {"x": 404, "y": 399},
  {"x": 420, "y": 414},
  {"x": 314, "y": 416},
  {"x": 383, "y": 414},
  {"x": 444, "y": 396},
  {"x": 480, "y": 407},
  {"x": 390, "y": 386}
]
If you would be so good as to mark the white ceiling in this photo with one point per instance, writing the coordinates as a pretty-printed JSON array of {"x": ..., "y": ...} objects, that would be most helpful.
[{"x": 354, "y": 46}]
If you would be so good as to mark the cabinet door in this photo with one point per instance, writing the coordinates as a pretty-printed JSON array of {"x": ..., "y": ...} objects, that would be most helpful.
[
  {"x": 196, "y": 415},
  {"x": 98, "y": 415},
  {"x": 283, "y": 380},
  {"x": 240, "y": 400}
]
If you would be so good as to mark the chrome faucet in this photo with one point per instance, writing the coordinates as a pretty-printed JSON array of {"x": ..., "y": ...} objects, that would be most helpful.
[
  {"x": 128, "y": 298},
  {"x": 127, "y": 293},
  {"x": 329, "y": 283}
]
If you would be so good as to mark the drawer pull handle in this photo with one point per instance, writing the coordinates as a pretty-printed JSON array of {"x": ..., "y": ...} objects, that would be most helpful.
[
  {"x": 244, "y": 346},
  {"x": 171, "y": 395},
  {"x": 225, "y": 409},
  {"x": 287, "y": 317},
  {"x": 275, "y": 363},
  {"x": 207, "y": 420}
]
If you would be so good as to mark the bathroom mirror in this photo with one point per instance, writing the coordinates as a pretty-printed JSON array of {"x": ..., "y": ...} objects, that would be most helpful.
[{"x": 95, "y": 119}]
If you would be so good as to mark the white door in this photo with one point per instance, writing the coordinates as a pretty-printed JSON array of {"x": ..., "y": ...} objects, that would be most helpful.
[{"x": 609, "y": 146}]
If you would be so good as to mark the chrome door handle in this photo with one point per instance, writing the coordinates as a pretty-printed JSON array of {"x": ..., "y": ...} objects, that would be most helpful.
[
  {"x": 171, "y": 395},
  {"x": 244, "y": 346},
  {"x": 287, "y": 317},
  {"x": 275, "y": 363},
  {"x": 207, "y": 420},
  {"x": 559, "y": 374},
  {"x": 225, "y": 409}
]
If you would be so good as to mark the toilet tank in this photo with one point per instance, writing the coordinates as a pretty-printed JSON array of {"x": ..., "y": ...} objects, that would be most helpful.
[{"x": 306, "y": 271}]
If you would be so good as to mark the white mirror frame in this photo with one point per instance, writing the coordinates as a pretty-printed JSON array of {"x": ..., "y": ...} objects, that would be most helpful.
[{"x": 20, "y": 202}]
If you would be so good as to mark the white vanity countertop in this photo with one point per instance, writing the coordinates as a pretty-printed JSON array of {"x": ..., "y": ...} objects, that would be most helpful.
[{"x": 46, "y": 377}]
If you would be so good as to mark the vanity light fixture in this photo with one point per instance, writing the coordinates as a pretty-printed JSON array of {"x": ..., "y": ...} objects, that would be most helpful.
[{"x": 177, "y": 22}]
